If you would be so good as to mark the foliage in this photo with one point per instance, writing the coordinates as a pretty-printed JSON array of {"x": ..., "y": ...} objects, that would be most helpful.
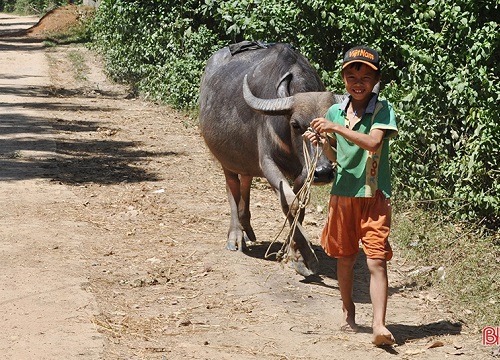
[
  {"x": 444, "y": 81},
  {"x": 439, "y": 66},
  {"x": 31, "y": 6},
  {"x": 158, "y": 46}
]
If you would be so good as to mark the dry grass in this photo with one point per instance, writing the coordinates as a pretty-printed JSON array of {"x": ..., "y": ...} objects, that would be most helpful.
[{"x": 468, "y": 255}]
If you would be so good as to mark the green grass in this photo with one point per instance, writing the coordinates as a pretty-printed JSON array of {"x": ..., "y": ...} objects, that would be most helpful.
[
  {"x": 469, "y": 254},
  {"x": 76, "y": 34},
  {"x": 80, "y": 68},
  {"x": 320, "y": 195}
]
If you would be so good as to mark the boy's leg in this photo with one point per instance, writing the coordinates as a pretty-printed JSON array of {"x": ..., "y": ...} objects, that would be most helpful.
[
  {"x": 345, "y": 276},
  {"x": 378, "y": 294}
]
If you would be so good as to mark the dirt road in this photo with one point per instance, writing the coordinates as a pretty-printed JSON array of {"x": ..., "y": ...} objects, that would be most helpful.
[
  {"x": 113, "y": 223},
  {"x": 45, "y": 311}
]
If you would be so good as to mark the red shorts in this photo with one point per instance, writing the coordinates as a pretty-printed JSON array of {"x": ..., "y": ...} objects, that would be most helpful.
[{"x": 354, "y": 219}]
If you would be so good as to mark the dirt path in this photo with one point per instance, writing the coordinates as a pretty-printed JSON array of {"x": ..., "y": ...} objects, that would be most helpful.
[
  {"x": 45, "y": 311},
  {"x": 113, "y": 222}
]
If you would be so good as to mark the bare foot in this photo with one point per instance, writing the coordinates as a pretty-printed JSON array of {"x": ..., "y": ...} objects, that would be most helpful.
[
  {"x": 349, "y": 323},
  {"x": 382, "y": 336},
  {"x": 349, "y": 328}
]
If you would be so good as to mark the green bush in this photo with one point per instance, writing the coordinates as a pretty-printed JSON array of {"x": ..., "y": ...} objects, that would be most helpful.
[
  {"x": 32, "y": 6},
  {"x": 439, "y": 69},
  {"x": 157, "y": 46},
  {"x": 176, "y": 81}
]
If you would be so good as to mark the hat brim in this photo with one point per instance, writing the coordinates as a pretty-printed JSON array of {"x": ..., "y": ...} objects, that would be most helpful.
[{"x": 374, "y": 67}]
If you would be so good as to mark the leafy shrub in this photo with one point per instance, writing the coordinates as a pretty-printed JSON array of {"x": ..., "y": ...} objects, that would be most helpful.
[
  {"x": 177, "y": 80},
  {"x": 157, "y": 46},
  {"x": 31, "y": 6},
  {"x": 439, "y": 69}
]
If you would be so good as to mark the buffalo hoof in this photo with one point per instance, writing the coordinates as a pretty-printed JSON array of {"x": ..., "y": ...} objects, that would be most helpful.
[
  {"x": 240, "y": 243},
  {"x": 231, "y": 246},
  {"x": 234, "y": 239},
  {"x": 234, "y": 247},
  {"x": 301, "y": 268},
  {"x": 307, "y": 255},
  {"x": 311, "y": 261},
  {"x": 305, "y": 263}
]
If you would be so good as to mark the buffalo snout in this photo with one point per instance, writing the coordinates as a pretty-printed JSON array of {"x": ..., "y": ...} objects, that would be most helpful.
[{"x": 323, "y": 174}]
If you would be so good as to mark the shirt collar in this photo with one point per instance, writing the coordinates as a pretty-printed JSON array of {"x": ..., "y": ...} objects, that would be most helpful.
[{"x": 370, "y": 108}]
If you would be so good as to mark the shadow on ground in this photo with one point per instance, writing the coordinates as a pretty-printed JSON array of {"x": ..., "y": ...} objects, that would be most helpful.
[{"x": 28, "y": 149}]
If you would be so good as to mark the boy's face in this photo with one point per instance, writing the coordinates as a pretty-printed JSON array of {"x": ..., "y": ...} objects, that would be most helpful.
[{"x": 359, "y": 80}]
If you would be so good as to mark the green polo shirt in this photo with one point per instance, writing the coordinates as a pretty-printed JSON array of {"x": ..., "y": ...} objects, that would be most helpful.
[{"x": 360, "y": 173}]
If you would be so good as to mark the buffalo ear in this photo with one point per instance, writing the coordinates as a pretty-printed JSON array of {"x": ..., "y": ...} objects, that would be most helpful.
[{"x": 283, "y": 87}]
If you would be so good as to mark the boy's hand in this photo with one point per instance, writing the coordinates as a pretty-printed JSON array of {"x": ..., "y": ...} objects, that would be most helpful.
[
  {"x": 314, "y": 137},
  {"x": 321, "y": 125}
]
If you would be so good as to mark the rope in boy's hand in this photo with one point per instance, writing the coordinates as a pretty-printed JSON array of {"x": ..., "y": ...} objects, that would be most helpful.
[
  {"x": 310, "y": 129},
  {"x": 318, "y": 135},
  {"x": 320, "y": 139}
]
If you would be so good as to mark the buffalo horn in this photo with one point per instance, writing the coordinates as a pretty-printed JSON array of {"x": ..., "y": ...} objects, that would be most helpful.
[{"x": 278, "y": 106}]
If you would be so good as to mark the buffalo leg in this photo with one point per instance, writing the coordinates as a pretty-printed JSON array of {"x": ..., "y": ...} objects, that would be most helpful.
[
  {"x": 238, "y": 193},
  {"x": 309, "y": 263},
  {"x": 303, "y": 257},
  {"x": 244, "y": 208}
]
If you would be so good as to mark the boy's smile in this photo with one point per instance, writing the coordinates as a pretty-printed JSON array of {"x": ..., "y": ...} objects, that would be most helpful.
[{"x": 359, "y": 80}]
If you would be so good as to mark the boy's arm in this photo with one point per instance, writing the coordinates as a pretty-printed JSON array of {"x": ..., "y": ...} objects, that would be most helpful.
[
  {"x": 329, "y": 148},
  {"x": 370, "y": 142}
]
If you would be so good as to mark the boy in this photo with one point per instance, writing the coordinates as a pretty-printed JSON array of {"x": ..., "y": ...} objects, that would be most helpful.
[{"x": 359, "y": 206}]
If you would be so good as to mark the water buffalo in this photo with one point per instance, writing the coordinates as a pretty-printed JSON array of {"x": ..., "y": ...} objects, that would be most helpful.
[{"x": 254, "y": 107}]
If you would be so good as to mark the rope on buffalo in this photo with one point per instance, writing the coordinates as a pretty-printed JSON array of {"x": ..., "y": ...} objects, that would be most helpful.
[{"x": 302, "y": 196}]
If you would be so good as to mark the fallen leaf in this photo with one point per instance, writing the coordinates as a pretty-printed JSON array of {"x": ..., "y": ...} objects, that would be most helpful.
[
  {"x": 458, "y": 352},
  {"x": 184, "y": 322},
  {"x": 435, "y": 344}
]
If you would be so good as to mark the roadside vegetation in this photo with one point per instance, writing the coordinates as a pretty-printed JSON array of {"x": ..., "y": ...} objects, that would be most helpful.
[
  {"x": 440, "y": 70},
  {"x": 31, "y": 7}
]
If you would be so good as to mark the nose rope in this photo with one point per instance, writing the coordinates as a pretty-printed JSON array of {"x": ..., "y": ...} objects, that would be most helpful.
[{"x": 302, "y": 197}]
